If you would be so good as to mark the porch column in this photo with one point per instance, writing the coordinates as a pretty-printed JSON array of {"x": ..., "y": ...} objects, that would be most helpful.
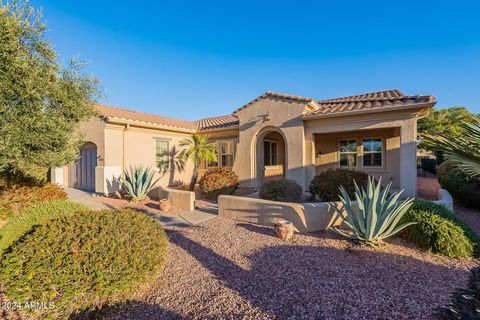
[
  {"x": 309, "y": 159},
  {"x": 408, "y": 158}
]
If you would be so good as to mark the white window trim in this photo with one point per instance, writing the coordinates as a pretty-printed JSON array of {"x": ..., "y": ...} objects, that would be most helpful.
[
  {"x": 271, "y": 142},
  {"x": 339, "y": 153},
  {"x": 382, "y": 152},
  {"x": 219, "y": 153},
  {"x": 168, "y": 149},
  {"x": 227, "y": 154}
]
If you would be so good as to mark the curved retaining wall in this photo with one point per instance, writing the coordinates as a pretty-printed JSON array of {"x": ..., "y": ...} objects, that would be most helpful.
[{"x": 306, "y": 217}]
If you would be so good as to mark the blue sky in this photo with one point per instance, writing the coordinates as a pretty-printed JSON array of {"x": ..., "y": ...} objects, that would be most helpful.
[{"x": 203, "y": 58}]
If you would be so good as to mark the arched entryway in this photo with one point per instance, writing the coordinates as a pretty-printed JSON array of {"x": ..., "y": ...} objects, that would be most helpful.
[
  {"x": 85, "y": 167},
  {"x": 271, "y": 155}
]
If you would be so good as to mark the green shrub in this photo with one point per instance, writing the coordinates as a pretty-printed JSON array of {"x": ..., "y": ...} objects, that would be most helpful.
[
  {"x": 33, "y": 216},
  {"x": 465, "y": 302},
  {"x": 12, "y": 200},
  {"x": 281, "y": 190},
  {"x": 463, "y": 188},
  {"x": 326, "y": 185},
  {"x": 83, "y": 261},
  {"x": 218, "y": 181},
  {"x": 438, "y": 230}
]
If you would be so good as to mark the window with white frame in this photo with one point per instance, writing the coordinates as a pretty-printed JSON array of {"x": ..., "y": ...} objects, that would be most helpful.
[
  {"x": 214, "y": 163},
  {"x": 270, "y": 153},
  {"x": 372, "y": 152},
  {"x": 162, "y": 154},
  {"x": 227, "y": 153},
  {"x": 348, "y": 153}
]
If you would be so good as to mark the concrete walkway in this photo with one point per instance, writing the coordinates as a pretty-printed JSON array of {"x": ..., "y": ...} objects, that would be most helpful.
[
  {"x": 182, "y": 219},
  {"x": 85, "y": 198}
]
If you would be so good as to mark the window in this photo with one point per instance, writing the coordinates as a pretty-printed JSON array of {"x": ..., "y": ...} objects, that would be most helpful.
[
  {"x": 213, "y": 163},
  {"x": 348, "y": 153},
  {"x": 162, "y": 154},
  {"x": 226, "y": 153},
  {"x": 372, "y": 152},
  {"x": 270, "y": 153}
]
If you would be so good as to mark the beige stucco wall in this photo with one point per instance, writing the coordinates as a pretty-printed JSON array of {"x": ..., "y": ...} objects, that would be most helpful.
[
  {"x": 305, "y": 217},
  {"x": 328, "y": 145},
  {"x": 130, "y": 145},
  {"x": 90, "y": 131},
  {"x": 405, "y": 124},
  {"x": 285, "y": 118}
]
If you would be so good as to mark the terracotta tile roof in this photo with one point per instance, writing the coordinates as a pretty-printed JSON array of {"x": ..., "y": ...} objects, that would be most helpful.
[
  {"x": 132, "y": 115},
  {"x": 217, "y": 122},
  {"x": 368, "y": 101},
  {"x": 275, "y": 95}
]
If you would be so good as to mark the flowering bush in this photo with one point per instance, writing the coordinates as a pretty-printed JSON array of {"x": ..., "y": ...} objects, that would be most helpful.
[
  {"x": 218, "y": 181},
  {"x": 14, "y": 199}
]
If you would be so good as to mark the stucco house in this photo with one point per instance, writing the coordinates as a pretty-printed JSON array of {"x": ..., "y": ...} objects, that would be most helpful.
[{"x": 275, "y": 135}]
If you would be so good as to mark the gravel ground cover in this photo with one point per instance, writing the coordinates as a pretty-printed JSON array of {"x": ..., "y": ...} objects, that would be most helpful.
[
  {"x": 226, "y": 270},
  {"x": 469, "y": 215}
]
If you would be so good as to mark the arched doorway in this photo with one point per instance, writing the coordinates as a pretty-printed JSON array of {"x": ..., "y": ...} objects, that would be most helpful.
[
  {"x": 271, "y": 159},
  {"x": 85, "y": 167}
]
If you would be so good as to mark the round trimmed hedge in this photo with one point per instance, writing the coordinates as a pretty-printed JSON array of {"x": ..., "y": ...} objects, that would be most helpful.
[
  {"x": 83, "y": 261},
  {"x": 35, "y": 215},
  {"x": 438, "y": 230},
  {"x": 218, "y": 181},
  {"x": 463, "y": 188},
  {"x": 281, "y": 190},
  {"x": 326, "y": 184}
]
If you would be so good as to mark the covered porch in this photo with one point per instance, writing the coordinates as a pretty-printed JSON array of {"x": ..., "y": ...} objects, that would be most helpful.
[{"x": 380, "y": 146}]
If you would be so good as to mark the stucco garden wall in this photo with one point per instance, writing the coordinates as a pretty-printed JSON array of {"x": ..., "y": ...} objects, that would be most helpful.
[{"x": 306, "y": 217}]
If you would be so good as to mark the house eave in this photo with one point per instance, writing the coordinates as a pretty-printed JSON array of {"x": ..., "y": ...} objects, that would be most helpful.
[
  {"x": 150, "y": 125},
  {"x": 416, "y": 106}
]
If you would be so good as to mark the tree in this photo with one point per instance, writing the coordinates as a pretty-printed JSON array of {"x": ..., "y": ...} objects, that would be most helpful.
[
  {"x": 41, "y": 103},
  {"x": 463, "y": 150},
  {"x": 444, "y": 121},
  {"x": 198, "y": 148}
]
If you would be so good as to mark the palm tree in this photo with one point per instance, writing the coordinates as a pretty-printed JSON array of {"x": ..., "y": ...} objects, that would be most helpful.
[
  {"x": 463, "y": 150},
  {"x": 198, "y": 148}
]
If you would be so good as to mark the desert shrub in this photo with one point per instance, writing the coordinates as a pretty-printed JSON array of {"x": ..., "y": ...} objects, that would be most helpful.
[
  {"x": 465, "y": 302},
  {"x": 463, "y": 188},
  {"x": 30, "y": 217},
  {"x": 83, "y": 261},
  {"x": 281, "y": 190},
  {"x": 438, "y": 230},
  {"x": 429, "y": 165},
  {"x": 218, "y": 181},
  {"x": 14, "y": 199},
  {"x": 326, "y": 185}
]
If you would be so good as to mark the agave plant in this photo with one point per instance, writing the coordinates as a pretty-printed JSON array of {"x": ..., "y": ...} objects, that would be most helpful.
[
  {"x": 138, "y": 181},
  {"x": 377, "y": 213}
]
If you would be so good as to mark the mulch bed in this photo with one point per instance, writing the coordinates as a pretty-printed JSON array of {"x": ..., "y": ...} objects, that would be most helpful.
[{"x": 226, "y": 270}]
